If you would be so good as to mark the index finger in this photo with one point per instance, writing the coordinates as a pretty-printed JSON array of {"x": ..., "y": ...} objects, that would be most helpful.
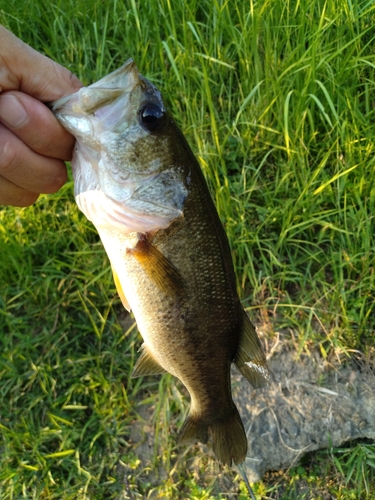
[{"x": 23, "y": 68}]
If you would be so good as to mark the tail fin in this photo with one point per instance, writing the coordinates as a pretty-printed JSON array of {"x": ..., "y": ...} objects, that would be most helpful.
[
  {"x": 193, "y": 430},
  {"x": 229, "y": 441}
]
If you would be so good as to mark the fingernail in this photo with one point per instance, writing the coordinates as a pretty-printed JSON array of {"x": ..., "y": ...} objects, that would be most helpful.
[{"x": 12, "y": 112}]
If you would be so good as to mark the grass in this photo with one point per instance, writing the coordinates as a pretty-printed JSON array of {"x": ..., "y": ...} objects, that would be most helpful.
[{"x": 276, "y": 99}]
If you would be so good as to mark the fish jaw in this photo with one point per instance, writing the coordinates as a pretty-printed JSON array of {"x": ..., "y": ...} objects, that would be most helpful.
[
  {"x": 73, "y": 110},
  {"x": 118, "y": 181}
]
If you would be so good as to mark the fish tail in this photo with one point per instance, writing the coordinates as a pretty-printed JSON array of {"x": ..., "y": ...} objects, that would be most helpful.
[
  {"x": 193, "y": 429},
  {"x": 229, "y": 441}
]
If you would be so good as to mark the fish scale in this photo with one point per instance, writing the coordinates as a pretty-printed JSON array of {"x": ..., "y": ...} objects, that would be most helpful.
[{"x": 138, "y": 181}]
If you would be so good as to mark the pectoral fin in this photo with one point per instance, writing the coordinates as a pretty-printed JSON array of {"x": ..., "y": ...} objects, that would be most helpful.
[
  {"x": 120, "y": 291},
  {"x": 146, "y": 364},
  {"x": 250, "y": 358},
  {"x": 158, "y": 268}
]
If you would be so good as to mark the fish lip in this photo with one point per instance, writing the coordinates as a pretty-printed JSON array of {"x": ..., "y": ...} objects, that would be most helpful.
[
  {"x": 122, "y": 80},
  {"x": 59, "y": 103},
  {"x": 119, "y": 77}
]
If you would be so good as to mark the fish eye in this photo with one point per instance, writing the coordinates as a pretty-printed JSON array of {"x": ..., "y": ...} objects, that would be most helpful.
[{"x": 152, "y": 117}]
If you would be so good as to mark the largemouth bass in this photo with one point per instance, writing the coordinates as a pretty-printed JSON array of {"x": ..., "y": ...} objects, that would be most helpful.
[{"x": 138, "y": 181}]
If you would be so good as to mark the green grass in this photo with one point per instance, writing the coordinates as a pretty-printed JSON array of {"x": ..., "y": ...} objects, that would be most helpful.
[{"x": 277, "y": 100}]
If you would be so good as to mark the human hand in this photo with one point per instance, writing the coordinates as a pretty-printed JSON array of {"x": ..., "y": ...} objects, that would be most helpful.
[{"x": 33, "y": 144}]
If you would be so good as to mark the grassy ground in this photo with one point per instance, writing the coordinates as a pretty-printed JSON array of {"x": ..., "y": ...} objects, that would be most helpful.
[{"x": 277, "y": 100}]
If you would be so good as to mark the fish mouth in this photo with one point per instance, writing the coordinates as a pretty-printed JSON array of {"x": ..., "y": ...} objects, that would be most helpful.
[{"x": 102, "y": 93}]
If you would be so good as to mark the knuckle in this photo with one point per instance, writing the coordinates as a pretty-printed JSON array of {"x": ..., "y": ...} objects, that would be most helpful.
[
  {"x": 16, "y": 197},
  {"x": 26, "y": 199},
  {"x": 57, "y": 181},
  {"x": 8, "y": 157},
  {"x": 54, "y": 144},
  {"x": 41, "y": 144},
  {"x": 74, "y": 81}
]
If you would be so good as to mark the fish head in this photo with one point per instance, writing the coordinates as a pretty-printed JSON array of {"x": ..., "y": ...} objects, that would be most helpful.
[{"x": 127, "y": 167}]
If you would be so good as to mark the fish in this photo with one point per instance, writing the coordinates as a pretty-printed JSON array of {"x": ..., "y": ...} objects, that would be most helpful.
[{"x": 138, "y": 181}]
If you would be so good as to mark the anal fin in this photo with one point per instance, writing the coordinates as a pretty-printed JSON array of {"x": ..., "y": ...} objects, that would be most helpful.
[
  {"x": 146, "y": 364},
  {"x": 250, "y": 358}
]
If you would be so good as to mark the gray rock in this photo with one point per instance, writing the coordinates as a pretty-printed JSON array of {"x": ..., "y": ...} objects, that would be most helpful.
[{"x": 309, "y": 405}]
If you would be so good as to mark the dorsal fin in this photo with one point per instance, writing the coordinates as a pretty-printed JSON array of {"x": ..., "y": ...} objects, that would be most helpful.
[{"x": 250, "y": 358}]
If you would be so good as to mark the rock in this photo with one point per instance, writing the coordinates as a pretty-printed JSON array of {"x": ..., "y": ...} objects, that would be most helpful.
[{"x": 309, "y": 405}]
